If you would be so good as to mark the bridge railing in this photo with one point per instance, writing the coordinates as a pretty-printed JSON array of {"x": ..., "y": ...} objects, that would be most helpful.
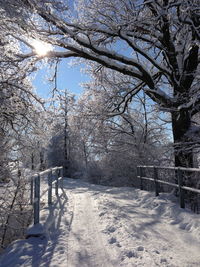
[
  {"x": 186, "y": 181},
  {"x": 55, "y": 179}
]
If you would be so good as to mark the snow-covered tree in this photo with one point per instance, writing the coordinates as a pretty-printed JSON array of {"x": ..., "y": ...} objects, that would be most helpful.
[
  {"x": 156, "y": 43},
  {"x": 17, "y": 99},
  {"x": 60, "y": 145},
  {"x": 117, "y": 144}
]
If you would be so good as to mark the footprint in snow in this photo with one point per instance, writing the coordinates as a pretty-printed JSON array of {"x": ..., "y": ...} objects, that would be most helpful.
[
  {"x": 163, "y": 260},
  {"x": 131, "y": 254},
  {"x": 111, "y": 229},
  {"x": 156, "y": 251},
  {"x": 112, "y": 240},
  {"x": 140, "y": 248},
  {"x": 102, "y": 214}
]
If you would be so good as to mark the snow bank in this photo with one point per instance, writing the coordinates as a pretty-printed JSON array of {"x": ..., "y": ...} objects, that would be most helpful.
[{"x": 147, "y": 230}]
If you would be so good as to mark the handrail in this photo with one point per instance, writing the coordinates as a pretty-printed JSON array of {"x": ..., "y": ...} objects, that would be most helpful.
[
  {"x": 35, "y": 195},
  {"x": 170, "y": 168},
  {"x": 180, "y": 186}
]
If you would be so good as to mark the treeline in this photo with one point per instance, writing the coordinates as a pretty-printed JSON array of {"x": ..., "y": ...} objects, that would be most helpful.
[{"x": 91, "y": 143}]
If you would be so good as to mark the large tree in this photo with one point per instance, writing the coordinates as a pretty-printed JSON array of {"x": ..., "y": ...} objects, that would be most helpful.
[{"x": 155, "y": 42}]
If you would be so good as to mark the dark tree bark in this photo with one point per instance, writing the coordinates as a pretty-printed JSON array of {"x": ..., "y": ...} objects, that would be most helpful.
[{"x": 183, "y": 154}]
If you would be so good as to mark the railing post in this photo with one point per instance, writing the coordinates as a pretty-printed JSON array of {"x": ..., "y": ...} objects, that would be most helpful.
[
  {"x": 56, "y": 183},
  {"x": 137, "y": 172},
  {"x": 141, "y": 181},
  {"x": 36, "y": 206},
  {"x": 50, "y": 188},
  {"x": 61, "y": 174},
  {"x": 31, "y": 193},
  {"x": 155, "y": 182},
  {"x": 181, "y": 191}
]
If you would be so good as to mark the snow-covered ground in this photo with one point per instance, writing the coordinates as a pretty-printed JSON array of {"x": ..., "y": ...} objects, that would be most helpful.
[{"x": 90, "y": 225}]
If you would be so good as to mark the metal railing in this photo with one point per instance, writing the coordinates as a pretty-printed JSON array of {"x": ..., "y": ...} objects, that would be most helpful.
[
  {"x": 36, "y": 195},
  {"x": 179, "y": 179}
]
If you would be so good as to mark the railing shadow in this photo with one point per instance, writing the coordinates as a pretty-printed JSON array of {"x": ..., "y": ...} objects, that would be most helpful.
[{"x": 43, "y": 246}]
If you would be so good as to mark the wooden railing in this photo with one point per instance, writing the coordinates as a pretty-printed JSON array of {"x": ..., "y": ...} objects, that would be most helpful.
[
  {"x": 181, "y": 187},
  {"x": 36, "y": 194}
]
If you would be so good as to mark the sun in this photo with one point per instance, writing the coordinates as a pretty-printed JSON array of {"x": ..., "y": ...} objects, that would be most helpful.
[{"x": 41, "y": 48}]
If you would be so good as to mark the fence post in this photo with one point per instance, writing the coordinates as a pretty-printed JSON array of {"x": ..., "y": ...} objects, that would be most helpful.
[
  {"x": 155, "y": 182},
  {"x": 141, "y": 181},
  {"x": 137, "y": 172},
  {"x": 181, "y": 191},
  {"x": 31, "y": 193},
  {"x": 36, "y": 206},
  {"x": 56, "y": 183},
  {"x": 50, "y": 188},
  {"x": 61, "y": 174}
]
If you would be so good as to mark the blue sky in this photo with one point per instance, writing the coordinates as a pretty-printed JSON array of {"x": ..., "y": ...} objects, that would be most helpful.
[{"x": 68, "y": 77}]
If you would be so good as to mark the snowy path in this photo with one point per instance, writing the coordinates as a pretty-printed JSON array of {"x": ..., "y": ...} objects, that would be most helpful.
[
  {"x": 85, "y": 239},
  {"x": 98, "y": 226}
]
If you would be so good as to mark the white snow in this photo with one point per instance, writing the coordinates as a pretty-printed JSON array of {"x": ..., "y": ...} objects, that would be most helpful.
[{"x": 92, "y": 225}]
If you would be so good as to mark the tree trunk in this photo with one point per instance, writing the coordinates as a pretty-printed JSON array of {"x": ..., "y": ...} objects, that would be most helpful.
[
  {"x": 42, "y": 167},
  {"x": 183, "y": 154},
  {"x": 32, "y": 161}
]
